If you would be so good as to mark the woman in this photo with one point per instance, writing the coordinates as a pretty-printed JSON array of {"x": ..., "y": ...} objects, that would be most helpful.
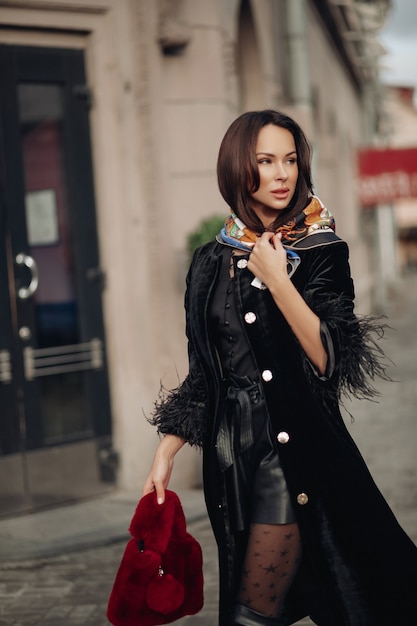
[{"x": 273, "y": 342}]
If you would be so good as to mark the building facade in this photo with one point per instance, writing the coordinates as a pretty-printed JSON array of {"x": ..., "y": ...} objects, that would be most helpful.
[
  {"x": 401, "y": 132},
  {"x": 112, "y": 113}
]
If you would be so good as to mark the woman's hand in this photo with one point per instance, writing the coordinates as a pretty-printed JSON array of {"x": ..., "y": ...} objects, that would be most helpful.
[
  {"x": 160, "y": 473},
  {"x": 268, "y": 260}
]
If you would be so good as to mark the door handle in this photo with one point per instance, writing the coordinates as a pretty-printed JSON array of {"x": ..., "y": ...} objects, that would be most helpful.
[
  {"x": 5, "y": 367},
  {"x": 25, "y": 292}
]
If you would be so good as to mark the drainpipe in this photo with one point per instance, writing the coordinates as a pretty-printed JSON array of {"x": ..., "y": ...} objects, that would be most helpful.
[
  {"x": 298, "y": 68},
  {"x": 298, "y": 79}
]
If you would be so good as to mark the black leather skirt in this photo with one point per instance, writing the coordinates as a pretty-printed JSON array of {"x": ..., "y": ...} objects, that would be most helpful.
[{"x": 256, "y": 488}]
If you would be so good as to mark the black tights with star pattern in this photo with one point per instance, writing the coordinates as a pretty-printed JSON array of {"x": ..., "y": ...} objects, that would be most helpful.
[{"x": 272, "y": 558}]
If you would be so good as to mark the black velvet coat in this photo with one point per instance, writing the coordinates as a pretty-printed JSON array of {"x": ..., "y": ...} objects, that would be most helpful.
[{"x": 359, "y": 568}]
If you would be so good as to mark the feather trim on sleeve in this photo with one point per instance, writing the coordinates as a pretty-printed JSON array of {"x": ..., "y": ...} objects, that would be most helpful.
[
  {"x": 183, "y": 411},
  {"x": 355, "y": 356}
]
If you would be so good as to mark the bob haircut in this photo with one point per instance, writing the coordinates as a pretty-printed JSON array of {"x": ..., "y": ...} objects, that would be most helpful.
[{"x": 237, "y": 167}]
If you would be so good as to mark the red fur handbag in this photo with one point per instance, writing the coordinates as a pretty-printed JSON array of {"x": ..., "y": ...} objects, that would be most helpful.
[{"x": 160, "y": 577}]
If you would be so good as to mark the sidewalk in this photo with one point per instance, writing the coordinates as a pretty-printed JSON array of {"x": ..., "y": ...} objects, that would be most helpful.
[
  {"x": 94, "y": 522},
  {"x": 386, "y": 430}
]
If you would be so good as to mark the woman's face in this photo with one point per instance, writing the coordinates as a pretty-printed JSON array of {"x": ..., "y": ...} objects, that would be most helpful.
[{"x": 278, "y": 172}]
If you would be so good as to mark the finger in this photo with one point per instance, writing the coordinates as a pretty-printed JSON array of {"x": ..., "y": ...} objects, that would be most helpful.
[
  {"x": 160, "y": 493},
  {"x": 148, "y": 487},
  {"x": 266, "y": 236},
  {"x": 264, "y": 241},
  {"x": 278, "y": 239}
]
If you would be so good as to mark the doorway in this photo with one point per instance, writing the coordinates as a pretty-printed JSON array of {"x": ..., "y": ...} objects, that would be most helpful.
[{"x": 55, "y": 432}]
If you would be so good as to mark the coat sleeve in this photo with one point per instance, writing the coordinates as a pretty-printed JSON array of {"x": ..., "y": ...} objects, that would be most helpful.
[
  {"x": 183, "y": 411},
  {"x": 354, "y": 357}
]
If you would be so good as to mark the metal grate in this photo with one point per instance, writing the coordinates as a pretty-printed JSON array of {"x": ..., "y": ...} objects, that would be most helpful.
[
  {"x": 63, "y": 359},
  {"x": 5, "y": 367}
]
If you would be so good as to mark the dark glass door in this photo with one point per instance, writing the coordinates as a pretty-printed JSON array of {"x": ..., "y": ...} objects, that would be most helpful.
[{"x": 55, "y": 425}]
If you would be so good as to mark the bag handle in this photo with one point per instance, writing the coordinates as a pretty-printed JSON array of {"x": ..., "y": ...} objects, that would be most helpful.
[{"x": 154, "y": 524}]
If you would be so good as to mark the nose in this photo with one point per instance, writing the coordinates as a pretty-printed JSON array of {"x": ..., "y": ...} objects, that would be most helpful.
[{"x": 281, "y": 172}]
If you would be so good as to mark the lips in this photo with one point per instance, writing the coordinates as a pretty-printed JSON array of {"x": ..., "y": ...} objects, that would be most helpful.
[{"x": 280, "y": 193}]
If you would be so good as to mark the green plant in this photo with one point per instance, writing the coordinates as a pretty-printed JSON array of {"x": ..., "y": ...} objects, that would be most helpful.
[{"x": 205, "y": 231}]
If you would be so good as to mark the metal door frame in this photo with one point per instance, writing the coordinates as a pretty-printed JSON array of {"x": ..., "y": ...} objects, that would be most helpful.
[{"x": 20, "y": 365}]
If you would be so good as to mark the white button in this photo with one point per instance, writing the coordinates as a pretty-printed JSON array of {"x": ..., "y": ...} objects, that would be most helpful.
[
  {"x": 267, "y": 375},
  {"x": 242, "y": 263},
  {"x": 250, "y": 317},
  {"x": 283, "y": 437},
  {"x": 302, "y": 498}
]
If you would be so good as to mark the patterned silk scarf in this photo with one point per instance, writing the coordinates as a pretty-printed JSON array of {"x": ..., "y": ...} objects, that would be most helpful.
[{"x": 314, "y": 217}]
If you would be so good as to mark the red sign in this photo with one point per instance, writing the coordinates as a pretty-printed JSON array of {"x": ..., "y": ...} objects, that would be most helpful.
[{"x": 386, "y": 175}]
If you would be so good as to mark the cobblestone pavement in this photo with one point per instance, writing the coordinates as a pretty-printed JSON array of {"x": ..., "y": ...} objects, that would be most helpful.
[{"x": 73, "y": 588}]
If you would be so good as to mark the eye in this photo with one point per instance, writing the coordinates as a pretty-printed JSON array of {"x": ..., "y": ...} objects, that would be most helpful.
[{"x": 264, "y": 160}]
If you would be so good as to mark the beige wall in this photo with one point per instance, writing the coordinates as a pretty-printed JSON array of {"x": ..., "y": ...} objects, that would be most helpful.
[
  {"x": 157, "y": 121},
  {"x": 337, "y": 133}
]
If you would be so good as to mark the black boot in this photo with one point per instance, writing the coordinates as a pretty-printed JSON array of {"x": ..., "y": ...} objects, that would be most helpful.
[{"x": 243, "y": 616}]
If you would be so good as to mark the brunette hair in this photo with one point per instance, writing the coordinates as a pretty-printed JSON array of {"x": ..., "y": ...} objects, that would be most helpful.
[{"x": 237, "y": 167}]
